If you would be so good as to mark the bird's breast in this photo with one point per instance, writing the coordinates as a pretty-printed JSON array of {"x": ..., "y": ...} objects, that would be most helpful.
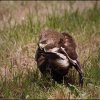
[{"x": 61, "y": 60}]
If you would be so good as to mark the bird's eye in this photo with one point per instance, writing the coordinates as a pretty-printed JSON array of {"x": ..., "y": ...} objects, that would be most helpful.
[{"x": 43, "y": 42}]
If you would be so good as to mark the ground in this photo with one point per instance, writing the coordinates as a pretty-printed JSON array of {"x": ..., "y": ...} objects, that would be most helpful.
[{"x": 20, "y": 23}]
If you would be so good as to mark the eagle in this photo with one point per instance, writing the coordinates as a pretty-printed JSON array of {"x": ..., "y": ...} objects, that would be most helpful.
[{"x": 57, "y": 52}]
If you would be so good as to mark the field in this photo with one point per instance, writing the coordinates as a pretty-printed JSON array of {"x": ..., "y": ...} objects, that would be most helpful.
[{"x": 20, "y": 24}]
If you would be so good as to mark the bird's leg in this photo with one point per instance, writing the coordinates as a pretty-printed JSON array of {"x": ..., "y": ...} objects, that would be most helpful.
[
  {"x": 77, "y": 66},
  {"x": 79, "y": 69}
]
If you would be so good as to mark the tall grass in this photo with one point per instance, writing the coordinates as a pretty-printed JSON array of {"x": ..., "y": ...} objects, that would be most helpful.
[{"x": 19, "y": 75}]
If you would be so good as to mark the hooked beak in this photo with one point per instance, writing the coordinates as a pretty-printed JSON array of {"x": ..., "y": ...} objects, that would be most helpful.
[{"x": 42, "y": 46}]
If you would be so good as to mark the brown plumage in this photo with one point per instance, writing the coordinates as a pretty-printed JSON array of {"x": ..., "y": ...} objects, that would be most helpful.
[{"x": 57, "y": 52}]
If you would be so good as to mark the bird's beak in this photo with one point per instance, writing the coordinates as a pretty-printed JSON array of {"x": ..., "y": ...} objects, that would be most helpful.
[{"x": 42, "y": 46}]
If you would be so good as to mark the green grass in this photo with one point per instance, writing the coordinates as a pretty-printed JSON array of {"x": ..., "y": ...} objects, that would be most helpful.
[{"x": 17, "y": 49}]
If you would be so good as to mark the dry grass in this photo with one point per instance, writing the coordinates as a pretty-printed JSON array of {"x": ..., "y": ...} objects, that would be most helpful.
[{"x": 20, "y": 23}]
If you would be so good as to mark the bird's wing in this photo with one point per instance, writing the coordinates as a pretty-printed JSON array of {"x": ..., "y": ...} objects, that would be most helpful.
[{"x": 69, "y": 45}]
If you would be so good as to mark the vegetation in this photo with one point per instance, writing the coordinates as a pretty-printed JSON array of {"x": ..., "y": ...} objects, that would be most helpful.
[{"x": 19, "y": 76}]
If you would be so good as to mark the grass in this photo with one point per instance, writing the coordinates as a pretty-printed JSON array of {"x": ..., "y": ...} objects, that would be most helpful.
[{"x": 19, "y": 75}]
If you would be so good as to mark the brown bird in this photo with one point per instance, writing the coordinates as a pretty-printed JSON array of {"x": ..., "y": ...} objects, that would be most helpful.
[{"x": 57, "y": 52}]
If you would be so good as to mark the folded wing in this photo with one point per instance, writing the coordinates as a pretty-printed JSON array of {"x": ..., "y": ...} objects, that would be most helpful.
[{"x": 67, "y": 42}]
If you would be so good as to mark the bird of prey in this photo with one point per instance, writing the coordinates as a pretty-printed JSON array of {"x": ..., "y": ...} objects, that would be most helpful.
[{"x": 57, "y": 51}]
